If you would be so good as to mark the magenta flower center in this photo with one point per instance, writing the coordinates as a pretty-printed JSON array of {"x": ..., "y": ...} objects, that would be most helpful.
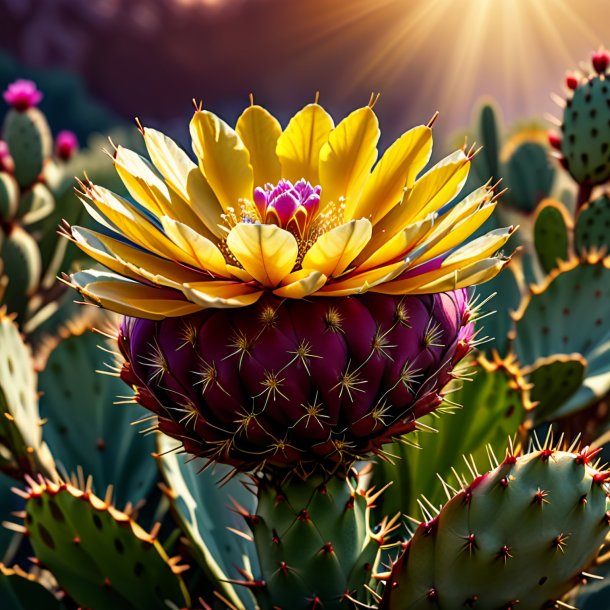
[
  {"x": 22, "y": 94},
  {"x": 65, "y": 145},
  {"x": 290, "y": 206}
]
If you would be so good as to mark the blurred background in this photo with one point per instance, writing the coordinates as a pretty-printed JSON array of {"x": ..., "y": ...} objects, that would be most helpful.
[{"x": 119, "y": 59}]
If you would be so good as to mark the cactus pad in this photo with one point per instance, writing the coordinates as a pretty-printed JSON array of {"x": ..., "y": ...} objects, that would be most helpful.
[
  {"x": 9, "y": 196},
  {"x": 555, "y": 379},
  {"x": 30, "y": 143},
  {"x": 314, "y": 543},
  {"x": 202, "y": 501},
  {"x": 593, "y": 226},
  {"x": 98, "y": 554},
  {"x": 35, "y": 204},
  {"x": 20, "y": 423},
  {"x": 568, "y": 314},
  {"x": 586, "y": 131},
  {"x": 493, "y": 406},
  {"x": 551, "y": 234},
  {"x": 529, "y": 175},
  {"x": 21, "y": 591},
  {"x": 522, "y": 533},
  {"x": 84, "y": 427}
]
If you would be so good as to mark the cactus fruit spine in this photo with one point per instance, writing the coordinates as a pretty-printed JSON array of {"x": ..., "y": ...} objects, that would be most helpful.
[{"x": 520, "y": 536}]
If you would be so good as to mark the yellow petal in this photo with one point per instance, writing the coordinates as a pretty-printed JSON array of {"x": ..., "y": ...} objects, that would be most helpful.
[
  {"x": 348, "y": 156},
  {"x": 223, "y": 158},
  {"x": 134, "y": 225},
  {"x": 479, "y": 248},
  {"x": 185, "y": 179},
  {"x": 362, "y": 282},
  {"x": 239, "y": 273},
  {"x": 141, "y": 181},
  {"x": 266, "y": 252},
  {"x": 298, "y": 148},
  {"x": 133, "y": 262},
  {"x": 397, "y": 170},
  {"x": 131, "y": 298},
  {"x": 399, "y": 245},
  {"x": 207, "y": 254},
  {"x": 300, "y": 284},
  {"x": 432, "y": 191},
  {"x": 221, "y": 295},
  {"x": 333, "y": 251},
  {"x": 474, "y": 273},
  {"x": 260, "y": 131}
]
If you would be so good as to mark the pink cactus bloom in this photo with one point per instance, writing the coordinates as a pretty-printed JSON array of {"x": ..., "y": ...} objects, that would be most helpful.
[
  {"x": 22, "y": 94},
  {"x": 66, "y": 145}
]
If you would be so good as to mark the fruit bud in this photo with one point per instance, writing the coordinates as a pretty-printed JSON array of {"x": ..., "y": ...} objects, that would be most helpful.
[
  {"x": 571, "y": 81},
  {"x": 66, "y": 145},
  {"x": 600, "y": 61},
  {"x": 554, "y": 140}
]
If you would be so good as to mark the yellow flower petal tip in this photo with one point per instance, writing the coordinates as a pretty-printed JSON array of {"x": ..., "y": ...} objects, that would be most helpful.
[{"x": 305, "y": 211}]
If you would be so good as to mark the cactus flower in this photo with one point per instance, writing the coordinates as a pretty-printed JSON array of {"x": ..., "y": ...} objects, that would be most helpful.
[
  {"x": 244, "y": 277},
  {"x": 22, "y": 95},
  {"x": 66, "y": 145}
]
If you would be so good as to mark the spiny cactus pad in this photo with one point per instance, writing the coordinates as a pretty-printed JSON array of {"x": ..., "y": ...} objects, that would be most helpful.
[
  {"x": 84, "y": 427},
  {"x": 9, "y": 196},
  {"x": 314, "y": 543},
  {"x": 529, "y": 175},
  {"x": 203, "y": 503},
  {"x": 519, "y": 536},
  {"x": 35, "y": 204},
  {"x": 494, "y": 402},
  {"x": 586, "y": 131},
  {"x": 568, "y": 313},
  {"x": 555, "y": 379},
  {"x": 30, "y": 143},
  {"x": 22, "y": 591},
  {"x": 98, "y": 554},
  {"x": 593, "y": 226},
  {"x": 551, "y": 237},
  {"x": 20, "y": 422}
]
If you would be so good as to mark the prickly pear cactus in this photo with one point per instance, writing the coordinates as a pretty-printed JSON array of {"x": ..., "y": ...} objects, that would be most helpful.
[
  {"x": 592, "y": 231},
  {"x": 521, "y": 535},
  {"x": 98, "y": 554}
]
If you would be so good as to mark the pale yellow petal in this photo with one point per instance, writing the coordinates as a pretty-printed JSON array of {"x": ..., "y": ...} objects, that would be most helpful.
[
  {"x": 133, "y": 262},
  {"x": 221, "y": 295},
  {"x": 239, "y": 273},
  {"x": 135, "y": 226},
  {"x": 223, "y": 159},
  {"x": 267, "y": 252},
  {"x": 479, "y": 248},
  {"x": 475, "y": 273},
  {"x": 298, "y": 148},
  {"x": 431, "y": 192},
  {"x": 333, "y": 251},
  {"x": 131, "y": 298},
  {"x": 362, "y": 282},
  {"x": 207, "y": 254},
  {"x": 397, "y": 170},
  {"x": 184, "y": 178},
  {"x": 300, "y": 284},
  {"x": 259, "y": 131},
  {"x": 348, "y": 156},
  {"x": 399, "y": 245}
]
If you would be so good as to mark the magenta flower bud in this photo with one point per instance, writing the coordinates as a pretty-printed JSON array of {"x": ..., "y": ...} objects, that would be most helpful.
[
  {"x": 66, "y": 145},
  {"x": 22, "y": 94},
  {"x": 284, "y": 205},
  {"x": 600, "y": 61}
]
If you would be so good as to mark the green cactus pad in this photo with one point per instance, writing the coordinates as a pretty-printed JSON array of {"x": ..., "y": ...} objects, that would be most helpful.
[
  {"x": 568, "y": 314},
  {"x": 555, "y": 379},
  {"x": 202, "y": 501},
  {"x": 490, "y": 139},
  {"x": 593, "y": 226},
  {"x": 30, "y": 143},
  {"x": 529, "y": 175},
  {"x": 586, "y": 132},
  {"x": 99, "y": 555},
  {"x": 21, "y": 591},
  {"x": 9, "y": 196},
  {"x": 551, "y": 237},
  {"x": 494, "y": 404},
  {"x": 22, "y": 266},
  {"x": 84, "y": 427},
  {"x": 37, "y": 203},
  {"x": 20, "y": 423},
  {"x": 518, "y": 536},
  {"x": 314, "y": 543}
]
